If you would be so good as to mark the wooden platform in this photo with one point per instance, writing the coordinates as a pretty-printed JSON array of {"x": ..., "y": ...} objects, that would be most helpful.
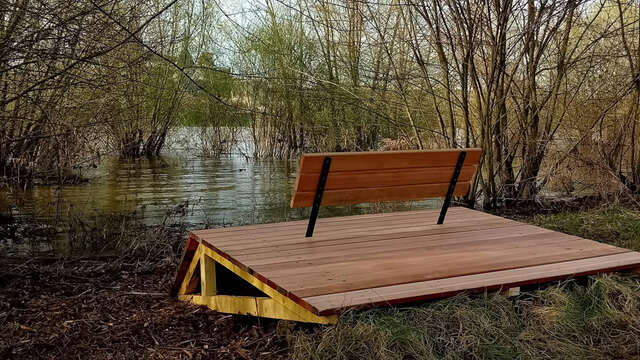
[{"x": 381, "y": 259}]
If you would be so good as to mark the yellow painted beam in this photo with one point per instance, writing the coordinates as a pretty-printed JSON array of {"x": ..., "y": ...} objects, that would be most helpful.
[
  {"x": 207, "y": 275},
  {"x": 190, "y": 271},
  {"x": 256, "y": 306},
  {"x": 276, "y": 305}
]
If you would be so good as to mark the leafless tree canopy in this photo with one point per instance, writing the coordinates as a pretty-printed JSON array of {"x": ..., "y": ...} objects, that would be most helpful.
[{"x": 549, "y": 89}]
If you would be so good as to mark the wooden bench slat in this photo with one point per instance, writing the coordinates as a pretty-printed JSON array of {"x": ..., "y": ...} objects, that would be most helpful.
[
  {"x": 363, "y": 177},
  {"x": 382, "y": 178},
  {"x": 390, "y": 193},
  {"x": 378, "y": 160}
]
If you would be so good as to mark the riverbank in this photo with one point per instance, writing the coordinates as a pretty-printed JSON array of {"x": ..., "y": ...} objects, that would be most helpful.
[{"x": 117, "y": 307}]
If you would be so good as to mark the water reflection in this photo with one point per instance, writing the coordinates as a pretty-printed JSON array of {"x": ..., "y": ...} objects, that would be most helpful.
[{"x": 204, "y": 191}]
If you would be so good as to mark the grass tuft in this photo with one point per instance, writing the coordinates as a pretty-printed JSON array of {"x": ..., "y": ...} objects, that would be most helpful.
[
  {"x": 566, "y": 320},
  {"x": 615, "y": 225}
]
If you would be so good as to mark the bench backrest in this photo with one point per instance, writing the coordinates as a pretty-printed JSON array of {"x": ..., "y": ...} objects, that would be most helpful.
[{"x": 383, "y": 176}]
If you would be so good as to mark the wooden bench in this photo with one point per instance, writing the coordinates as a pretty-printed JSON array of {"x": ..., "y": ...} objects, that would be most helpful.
[
  {"x": 353, "y": 178},
  {"x": 299, "y": 271}
]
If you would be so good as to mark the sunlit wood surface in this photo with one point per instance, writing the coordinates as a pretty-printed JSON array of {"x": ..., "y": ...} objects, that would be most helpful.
[{"x": 379, "y": 259}]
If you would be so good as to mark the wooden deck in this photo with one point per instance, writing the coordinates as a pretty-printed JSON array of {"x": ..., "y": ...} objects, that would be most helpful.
[{"x": 381, "y": 259}]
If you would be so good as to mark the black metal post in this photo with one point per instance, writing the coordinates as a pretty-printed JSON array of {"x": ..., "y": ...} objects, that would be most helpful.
[
  {"x": 452, "y": 187},
  {"x": 317, "y": 199}
]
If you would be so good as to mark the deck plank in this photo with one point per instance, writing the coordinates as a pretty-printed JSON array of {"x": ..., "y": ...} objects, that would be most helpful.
[
  {"x": 477, "y": 282},
  {"x": 359, "y": 237},
  {"x": 398, "y": 255},
  {"x": 387, "y": 244},
  {"x": 345, "y": 236},
  {"x": 333, "y": 224},
  {"x": 412, "y": 269}
]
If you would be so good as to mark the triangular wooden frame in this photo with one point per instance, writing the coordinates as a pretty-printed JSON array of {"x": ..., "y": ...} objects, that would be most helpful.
[{"x": 274, "y": 305}]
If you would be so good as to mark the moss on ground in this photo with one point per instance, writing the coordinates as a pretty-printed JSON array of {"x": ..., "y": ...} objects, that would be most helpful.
[
  {"x": 616, "y": 225},
  {"x": 593, "y": 318}
]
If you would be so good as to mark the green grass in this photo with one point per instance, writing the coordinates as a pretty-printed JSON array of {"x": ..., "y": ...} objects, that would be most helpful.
[
  {"x": 596, "y": 318},
  {"x": 614, "y": 225}
]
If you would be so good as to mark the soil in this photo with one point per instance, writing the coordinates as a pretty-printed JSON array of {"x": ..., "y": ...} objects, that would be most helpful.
[{"x": 119, "y": 307}]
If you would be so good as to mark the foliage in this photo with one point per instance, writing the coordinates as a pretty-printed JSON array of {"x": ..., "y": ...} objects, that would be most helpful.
[
  {"x": 548, "y": 89},
  {"x": 83, "y": 79}
]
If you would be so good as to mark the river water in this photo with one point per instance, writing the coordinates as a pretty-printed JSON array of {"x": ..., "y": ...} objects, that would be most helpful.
[{"x": 181, "y": 185}]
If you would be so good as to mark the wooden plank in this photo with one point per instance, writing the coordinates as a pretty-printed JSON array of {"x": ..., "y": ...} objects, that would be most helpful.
[
  {"x": 413, "y": 269},
  {"x": 208, "y": 275},
  {"x": 187, "y": 255},
  {"x": 302, "y": 224},
  {"x": 256, "y": 306},
  {"x": 341, "y": 230},
  {"x": 377, "y": 160},
  {"x": 352, "y": 220},
  {"x": 343, "y": 264},
  {"x": 378, "y": 194},
  {"x": 390, "y": 248},
  {"x": 441, "y": 259},
  {"x": 307, "y": 182},
  {"x": 417, "y": 291},
  {"x": 511, "y": 291},
  {"x": 185, "y": 286},
  {"x": 357, "y": 237}
]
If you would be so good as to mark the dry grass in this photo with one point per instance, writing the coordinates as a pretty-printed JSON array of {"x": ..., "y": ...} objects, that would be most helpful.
[
  {"x": 567, "y": 320},
  {"x": 616, "y": 225},
  {"x": 112, "y": 302}
]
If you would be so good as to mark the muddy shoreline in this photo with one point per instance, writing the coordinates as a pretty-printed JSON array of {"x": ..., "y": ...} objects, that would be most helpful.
[{"x": 119, "y": 307}]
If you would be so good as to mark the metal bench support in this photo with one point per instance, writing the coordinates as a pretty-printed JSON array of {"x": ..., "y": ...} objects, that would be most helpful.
[
  {"x": 317, "y": 199},
  {"x": 452, "y": 187},
  {"x": 322, "y": 181}
]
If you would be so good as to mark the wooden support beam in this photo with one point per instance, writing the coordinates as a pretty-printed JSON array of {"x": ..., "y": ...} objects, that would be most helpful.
[
  {"x": 208, "y": 275},
  {"x": 273, "y": 305},
  {"x": 256, "y": 306},
  {"x": 512, "y": 291},
  {"x": 187, "y": 286}
]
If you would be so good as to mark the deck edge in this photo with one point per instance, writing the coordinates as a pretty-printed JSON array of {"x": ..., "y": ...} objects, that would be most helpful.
[
  {"x": 187, "y": 256},
  {"x": 296, "y": 299},
  {"x": 582, "y": 269}
]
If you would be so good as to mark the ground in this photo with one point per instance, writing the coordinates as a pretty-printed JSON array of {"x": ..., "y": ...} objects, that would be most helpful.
[{"x": 117, "y": 306}]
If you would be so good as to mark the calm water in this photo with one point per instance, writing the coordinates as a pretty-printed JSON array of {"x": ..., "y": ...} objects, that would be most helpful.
[
  {"x": 202, "y": 190},
  {"x": 180, "y": 186}
]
